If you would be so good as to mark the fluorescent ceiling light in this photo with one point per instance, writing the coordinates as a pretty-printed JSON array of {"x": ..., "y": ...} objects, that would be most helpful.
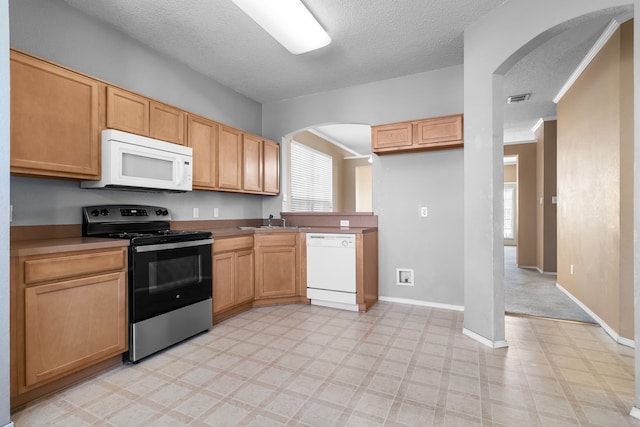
[{"x": 287, "y": 21}]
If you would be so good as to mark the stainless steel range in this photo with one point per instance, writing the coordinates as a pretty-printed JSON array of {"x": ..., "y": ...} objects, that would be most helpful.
[{"x": 170, "y": 274}]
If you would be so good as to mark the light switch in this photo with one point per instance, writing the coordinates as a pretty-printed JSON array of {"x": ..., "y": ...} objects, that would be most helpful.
[{"x": 554, "y": 200}]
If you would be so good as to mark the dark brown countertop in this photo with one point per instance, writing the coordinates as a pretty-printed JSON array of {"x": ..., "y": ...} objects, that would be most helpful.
[
  {"x": 59, "y": 245},
  {"x": 220, "y": 233}
]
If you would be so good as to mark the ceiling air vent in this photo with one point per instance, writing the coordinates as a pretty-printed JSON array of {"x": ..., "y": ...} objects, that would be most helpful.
[{"x": 518, "y": 98}]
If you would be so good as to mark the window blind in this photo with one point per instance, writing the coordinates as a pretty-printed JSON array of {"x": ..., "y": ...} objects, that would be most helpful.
[{"x": 311, "y": 180}]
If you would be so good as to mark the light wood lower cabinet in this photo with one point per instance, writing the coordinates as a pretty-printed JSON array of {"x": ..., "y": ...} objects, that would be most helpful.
[
  {"x": 68, "y": 325},
  {"x": 68, "y": 313},
  {"x": 233, "y": 276},
  {"x": 55, "y": 125},
  {"x": 278, "y": 260}
]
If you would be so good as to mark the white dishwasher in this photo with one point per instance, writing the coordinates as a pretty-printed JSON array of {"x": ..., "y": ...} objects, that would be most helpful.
[{"x": 331, "y": 270}]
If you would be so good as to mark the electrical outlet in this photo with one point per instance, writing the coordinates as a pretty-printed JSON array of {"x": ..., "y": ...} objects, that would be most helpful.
[
  {"x": 196, "y": 212},
  {"x": 344, "y": 223},
  {"x": 216, "y": 212},
  {"x": 424, "y": 211}
]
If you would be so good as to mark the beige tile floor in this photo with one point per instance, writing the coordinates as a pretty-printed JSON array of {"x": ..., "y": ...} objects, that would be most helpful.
[{"x": 396, "y": 365}]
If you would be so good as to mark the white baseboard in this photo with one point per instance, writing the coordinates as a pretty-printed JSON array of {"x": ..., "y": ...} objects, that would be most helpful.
[
  {"x": 550, "y": 273},
  {"x": 422, "y": 303},
  {"x": 608, "y": 329},
  {"x": 485, "y": 341},
  {"x": 635, "y": 412}
]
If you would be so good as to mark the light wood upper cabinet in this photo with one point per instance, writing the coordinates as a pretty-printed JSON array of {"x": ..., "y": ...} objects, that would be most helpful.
[
  {"x": 55, "y": 126},
  {"x": 271, "y": 168},
  {"x": 252, "y": 168},
  {"x": 130, "y": 112},
  {"x": 391, "y": 137},
  {"x": 166, "y": 123},
  {"x": 440, "y": 131},
  {"x": 230, "y": 159},
  {"x": 202, "y": 137},
  {"x": 57, "y": 116},
  {"x": 127, "y": 111},
  {"x": 420, "y": 135}
]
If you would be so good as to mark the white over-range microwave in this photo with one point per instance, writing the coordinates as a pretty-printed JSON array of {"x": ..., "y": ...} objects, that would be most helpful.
[{"x": 134, "y": 162}]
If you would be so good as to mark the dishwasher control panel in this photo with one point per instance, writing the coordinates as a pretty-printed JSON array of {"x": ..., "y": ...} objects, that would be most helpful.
[{"x": 331, "y": 240}]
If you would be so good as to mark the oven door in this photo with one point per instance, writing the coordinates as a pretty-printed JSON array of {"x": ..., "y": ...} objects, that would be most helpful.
[{"x": 168, "y": 276}]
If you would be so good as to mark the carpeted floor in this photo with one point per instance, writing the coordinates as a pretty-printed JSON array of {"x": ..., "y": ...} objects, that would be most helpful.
[{"x": 527, "y": 292}]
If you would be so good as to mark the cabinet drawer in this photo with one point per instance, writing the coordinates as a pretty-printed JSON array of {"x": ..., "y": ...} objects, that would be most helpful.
[
  {"x": 232, "y": 244},
  {"x": 276, "y": 239},
  {"x": 72, "y": 265}
]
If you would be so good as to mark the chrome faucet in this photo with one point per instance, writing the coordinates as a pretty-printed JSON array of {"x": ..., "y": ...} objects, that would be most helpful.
[
  {"x": 284, "y": 223},
  {"x": 269, "y": 220}
]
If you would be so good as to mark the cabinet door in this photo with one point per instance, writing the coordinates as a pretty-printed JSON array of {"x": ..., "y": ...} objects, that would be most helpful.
[
  {"x": 55, "y": 128},
  {"x": 230, "y": 159},
  {"x": 245, "y": 282},
  {"x": 224, "y": 279},
  {"x": 252, "y": 157},
  {"x": 70, "y": 325},
  {"x": 439, "y": 131},
  {"x": 202, "y": 137},
  {"x": 271, "y": 168},
  {"x": 390, "y": 137},
  {"x": 127, "y": 111},
  {"x": 276, "y": 270},
  {"x": 166, "y": 123}
]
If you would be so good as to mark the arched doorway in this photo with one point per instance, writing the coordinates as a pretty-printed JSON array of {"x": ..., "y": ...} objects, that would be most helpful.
[{"x": 512, "y": 30}]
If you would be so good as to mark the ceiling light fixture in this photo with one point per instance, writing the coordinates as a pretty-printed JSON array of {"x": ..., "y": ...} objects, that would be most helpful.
[{"x": 287, "y": 21}]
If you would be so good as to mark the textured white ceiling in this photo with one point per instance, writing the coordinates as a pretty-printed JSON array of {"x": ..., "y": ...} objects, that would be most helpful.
[{"x": 371, "y": 40}]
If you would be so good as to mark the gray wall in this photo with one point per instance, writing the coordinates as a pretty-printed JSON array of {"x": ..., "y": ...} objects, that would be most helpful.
[
  {"x": 4, "y": 224},
  {"x": 432, "y": 246},
  {"x": 59, "y": 202},
  {"x": 54, "y": 31}
]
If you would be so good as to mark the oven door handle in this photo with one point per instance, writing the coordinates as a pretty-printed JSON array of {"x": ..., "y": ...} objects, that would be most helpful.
[{"x": 176, "y": 245}]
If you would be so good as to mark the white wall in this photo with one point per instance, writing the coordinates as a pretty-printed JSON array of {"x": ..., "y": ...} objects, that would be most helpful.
[
  {"x": 4, "y": 223},
  {"x": 55, "y": 31},
  {"x": 432, "y": 246}
]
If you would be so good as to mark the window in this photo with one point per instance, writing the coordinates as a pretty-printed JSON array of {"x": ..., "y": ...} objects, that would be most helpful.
[
  {"x": 311, "y": 180},
  {"x": 509, "y": 211}
]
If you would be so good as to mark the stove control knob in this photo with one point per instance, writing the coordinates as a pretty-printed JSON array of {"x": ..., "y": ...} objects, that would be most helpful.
[
  {"x": 165, "y": 212},
  {"x": 158, "y": 211},
  {"x": 95, "y": 212},
  {"x": 104, "y": 212}
]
